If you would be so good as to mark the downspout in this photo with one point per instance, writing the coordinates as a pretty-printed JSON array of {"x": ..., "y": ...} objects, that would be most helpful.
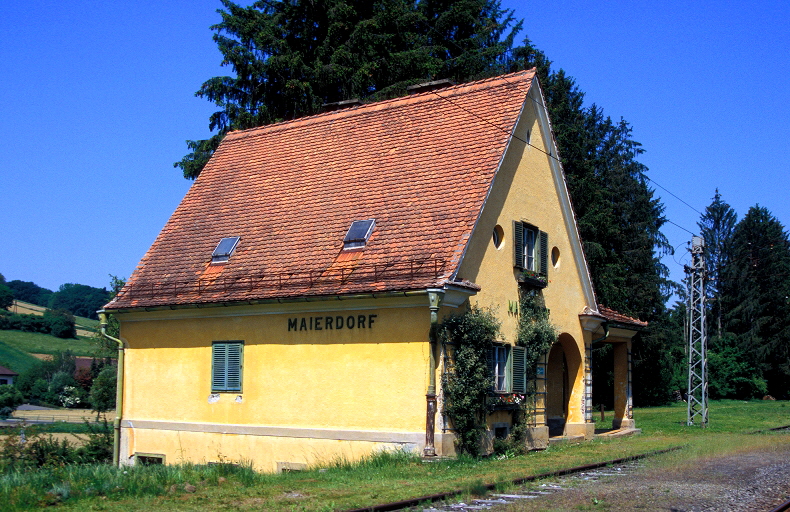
[
  {"x": 116, "y": 439},
  {"x": 434, "y": 300},
  {"x": 605, "y": 326}
]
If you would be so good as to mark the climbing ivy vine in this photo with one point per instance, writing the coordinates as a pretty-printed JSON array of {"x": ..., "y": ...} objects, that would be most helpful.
[
  {"x": 535, "y": 331},
  {"x": 467, "y": 378}
]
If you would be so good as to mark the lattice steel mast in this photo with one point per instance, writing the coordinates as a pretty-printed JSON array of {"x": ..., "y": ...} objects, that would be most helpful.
[{"x": 697, "y": 337}]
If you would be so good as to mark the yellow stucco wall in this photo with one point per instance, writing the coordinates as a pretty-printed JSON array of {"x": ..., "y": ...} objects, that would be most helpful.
[
  {"x": 297, "y": 384},
  {"x": 312, "y": 396},
  {"x": 524, "y": 190}
]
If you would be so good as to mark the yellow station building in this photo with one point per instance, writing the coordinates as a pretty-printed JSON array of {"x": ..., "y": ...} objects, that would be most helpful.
[{"x": 282, "y": 316}]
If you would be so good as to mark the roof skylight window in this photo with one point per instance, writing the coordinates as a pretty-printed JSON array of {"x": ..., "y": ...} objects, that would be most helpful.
[
  {"x": 358, "y": 233},
  {"x": 224, "y": 249}
]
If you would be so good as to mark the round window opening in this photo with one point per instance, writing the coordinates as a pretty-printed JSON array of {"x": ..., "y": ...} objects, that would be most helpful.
[
  {"x": 498, "y": 236},
  {"x": 555, "y": 257}
]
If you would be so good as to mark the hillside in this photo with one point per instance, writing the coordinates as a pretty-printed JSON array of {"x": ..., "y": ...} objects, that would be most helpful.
[
  {"x": 37, "y": 343},
  {"x": 14, "y": 358},
  {"x": 85, "y": 326}
]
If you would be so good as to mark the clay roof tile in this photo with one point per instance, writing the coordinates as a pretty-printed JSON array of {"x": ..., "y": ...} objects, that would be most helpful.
[{"x": 420, "y": 166}]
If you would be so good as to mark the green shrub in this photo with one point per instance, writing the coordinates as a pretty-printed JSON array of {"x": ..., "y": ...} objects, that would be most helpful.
[
  {"x": 58, "y": 323},
  {"x": 10, "y": 399},
  {"x": 467, "y": 378},
  {"x": 535, "y": 331}
]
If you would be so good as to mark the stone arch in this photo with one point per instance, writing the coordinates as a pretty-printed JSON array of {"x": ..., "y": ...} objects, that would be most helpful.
[{"x": 564, "y": 384}]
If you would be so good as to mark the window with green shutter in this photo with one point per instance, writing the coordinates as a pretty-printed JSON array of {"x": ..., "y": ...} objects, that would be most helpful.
[
  {"x": 531, "y": 248},
  {"x": 508, "y": 366},
  {"x": 226, "y": 365}
]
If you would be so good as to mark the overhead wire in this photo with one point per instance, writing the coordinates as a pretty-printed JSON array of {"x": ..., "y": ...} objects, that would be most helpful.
[
  {"x": 543, "y": 106},
  {"x": 540, "y": 105}
]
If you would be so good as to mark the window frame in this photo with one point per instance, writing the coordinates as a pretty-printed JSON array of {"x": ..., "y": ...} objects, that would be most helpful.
[
  {"x": 536, "y": 249},
  {"x": 508, "y": 374},
  {"x": 227, "y": 364},
  {"x": 500, "y": 356}
]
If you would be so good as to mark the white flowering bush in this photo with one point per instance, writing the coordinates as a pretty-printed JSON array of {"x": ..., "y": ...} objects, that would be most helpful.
[{"x": 70, "y": 396}]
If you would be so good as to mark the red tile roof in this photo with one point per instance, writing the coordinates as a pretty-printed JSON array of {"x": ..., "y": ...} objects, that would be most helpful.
[
  {"x": 613, "y": 316},
  {"x": 5, "y": 371},
  {"x": 421, "y": 166}
]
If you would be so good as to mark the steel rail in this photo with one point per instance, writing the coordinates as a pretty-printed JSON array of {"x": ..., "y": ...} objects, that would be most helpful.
[
  {"x": 774, "y": 429},
  {"x": 412, "y": 502},
  {"x": 781, "y": 508}
]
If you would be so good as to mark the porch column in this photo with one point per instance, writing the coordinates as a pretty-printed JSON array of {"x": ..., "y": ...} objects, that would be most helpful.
[{"x": 623, "y": 401}]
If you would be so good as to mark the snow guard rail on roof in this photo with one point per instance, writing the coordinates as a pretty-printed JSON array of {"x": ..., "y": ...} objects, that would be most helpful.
[{"x": 325, "y": 281}]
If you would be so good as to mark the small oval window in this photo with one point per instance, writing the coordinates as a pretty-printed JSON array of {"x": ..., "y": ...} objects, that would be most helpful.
[
  {"x": 498, "y": 236},
  {"x": 555, "y": 257}
]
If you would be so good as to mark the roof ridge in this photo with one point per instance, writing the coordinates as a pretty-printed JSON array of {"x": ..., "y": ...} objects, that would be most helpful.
[{"x": 377, "y": 105}]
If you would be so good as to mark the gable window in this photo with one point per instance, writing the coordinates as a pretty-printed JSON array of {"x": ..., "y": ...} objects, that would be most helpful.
[
  {"x": 226, "y": 365},
  {"x": 508, "y": 365},
  {"x": 531, "y": 248}
]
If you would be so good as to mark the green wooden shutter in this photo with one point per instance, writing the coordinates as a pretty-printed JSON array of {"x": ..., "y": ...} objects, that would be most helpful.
[
  {"x": 544, "y": 253},
  {"x": 519, "y": 370},
  {"x": 226, "y": 361},
  {"x": 219, "y": 366},
  {"x": 491, "y": 367},
  {"x": 234, "y": 366},
  {"x": 518, "y": 244}
]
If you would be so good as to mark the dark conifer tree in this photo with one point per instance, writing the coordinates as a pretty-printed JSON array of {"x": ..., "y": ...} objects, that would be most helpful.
[
  {"x": 756, "y": 296},
  {"x": 716, "y": 227},
  {"x": 289, "y": 58}
]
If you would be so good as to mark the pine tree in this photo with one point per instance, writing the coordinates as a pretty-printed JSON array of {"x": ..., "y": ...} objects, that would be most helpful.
[
  {"x": 716, "y": 227},
  {"x": 291, "y": 57},
  {"x": 755, "y": 289}
]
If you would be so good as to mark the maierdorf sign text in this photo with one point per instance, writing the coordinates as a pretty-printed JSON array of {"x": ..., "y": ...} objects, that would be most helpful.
[{"x": 331, "y": 323}]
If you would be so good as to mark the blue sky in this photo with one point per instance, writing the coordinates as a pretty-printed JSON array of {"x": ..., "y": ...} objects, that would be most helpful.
[{"x": 98, "y": 99}]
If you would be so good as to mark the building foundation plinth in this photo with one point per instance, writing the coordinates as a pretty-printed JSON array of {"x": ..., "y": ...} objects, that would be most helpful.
[
  {"x": 619, "y": 423},
  {"x": 537, "y": 438},
  {"x": 580, "y": 429}
]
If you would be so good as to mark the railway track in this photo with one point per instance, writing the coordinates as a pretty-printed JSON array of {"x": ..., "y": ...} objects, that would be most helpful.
[
  {"x": 781, "y": 508},
  {"x": 530, "y": 489},
  {"x": 536, "y": 490}
]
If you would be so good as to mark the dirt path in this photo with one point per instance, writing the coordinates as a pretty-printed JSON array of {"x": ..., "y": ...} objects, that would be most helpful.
[{"x": 755, "y": 480}]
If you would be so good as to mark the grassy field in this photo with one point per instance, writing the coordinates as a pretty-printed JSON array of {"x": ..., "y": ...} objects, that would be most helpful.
[
  {"x": 14, "y": 358},
  {"x": 38, "y": 343},
  {"x": 63, "y": 417},
  {"x": 384, "y": 478}
]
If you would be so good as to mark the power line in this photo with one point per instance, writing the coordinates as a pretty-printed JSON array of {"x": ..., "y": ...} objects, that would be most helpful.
[
  {"x": 681, "y": 227},
  {"x": 670, "y": 193}
]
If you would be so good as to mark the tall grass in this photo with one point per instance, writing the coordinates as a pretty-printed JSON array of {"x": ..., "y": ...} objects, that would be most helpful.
[
  {"x": 22, "y": 490},
  {"x": 382, "y": 477}
]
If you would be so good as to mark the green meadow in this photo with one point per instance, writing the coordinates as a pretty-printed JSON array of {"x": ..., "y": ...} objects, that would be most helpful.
[{"x": 734, "y": 426}]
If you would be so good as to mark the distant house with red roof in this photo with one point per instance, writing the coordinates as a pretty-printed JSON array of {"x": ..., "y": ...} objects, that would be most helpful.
[
  {"x": 7, "y": 376},
  {"x": 282, "y": 316}
]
